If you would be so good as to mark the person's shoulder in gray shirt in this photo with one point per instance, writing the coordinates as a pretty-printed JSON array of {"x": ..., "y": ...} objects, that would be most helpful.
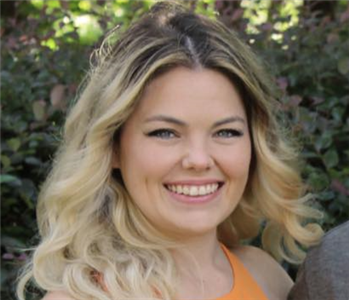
[{"x": 324, "y": 274}]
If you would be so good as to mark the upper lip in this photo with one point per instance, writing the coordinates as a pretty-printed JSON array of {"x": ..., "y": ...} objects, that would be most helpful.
[{"x": 194, "y": 182}]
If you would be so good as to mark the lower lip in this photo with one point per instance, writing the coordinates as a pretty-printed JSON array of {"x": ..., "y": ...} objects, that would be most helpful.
[{"x": 194, "y": 199}]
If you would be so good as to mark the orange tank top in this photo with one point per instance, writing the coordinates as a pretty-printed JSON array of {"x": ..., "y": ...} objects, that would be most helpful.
[{"x": 245, "y": 287}]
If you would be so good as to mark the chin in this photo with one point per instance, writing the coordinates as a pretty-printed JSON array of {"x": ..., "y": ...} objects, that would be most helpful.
[{"x": 196, "y": 227}]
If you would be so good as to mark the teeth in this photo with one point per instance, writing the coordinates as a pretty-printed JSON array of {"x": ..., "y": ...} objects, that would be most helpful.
[
  {"x": 203, "y": 190},
  {"x": 194, "y": 190},
  {"x": 185, "y": 190}
]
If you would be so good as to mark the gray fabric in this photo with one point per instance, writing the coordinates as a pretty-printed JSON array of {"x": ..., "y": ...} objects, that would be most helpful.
[{"x": 324, "y": 274}]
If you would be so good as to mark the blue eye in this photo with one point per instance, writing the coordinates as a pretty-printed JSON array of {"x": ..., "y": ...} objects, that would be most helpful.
[
  {"x": 228, "y": 133},
  {"x": 165, "y": 134}
]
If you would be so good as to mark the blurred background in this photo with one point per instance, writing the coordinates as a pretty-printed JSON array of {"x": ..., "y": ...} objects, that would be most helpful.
[{"x": 45, "y": 51}]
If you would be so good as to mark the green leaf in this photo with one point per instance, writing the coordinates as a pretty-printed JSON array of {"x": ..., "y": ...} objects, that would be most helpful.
[
  {"x": 331, "y": 158},
  {"x": 14, "y": 144},
  {"x": 5, "y": 178},
  {"x": 343, "y": 66},
  {"x": 12, "y": 242},
  {"x": 27, "y": 201},
  {"x": 323, "y": 142},
  {"x": 6, "y": 162},
  {"x": 318, "y": 180},
  {"x": 325, "y": 196},
  {"x": 4, "y": 277},
  {"x": 39, "y": 110},
  {"x": 33, "y": 161},
  {"x": 338, "y": 113},
  {"x": 9, "y": 202}
]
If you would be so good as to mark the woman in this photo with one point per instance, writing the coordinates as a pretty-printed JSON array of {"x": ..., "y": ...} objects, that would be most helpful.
[{"x": 171, "y": 156}]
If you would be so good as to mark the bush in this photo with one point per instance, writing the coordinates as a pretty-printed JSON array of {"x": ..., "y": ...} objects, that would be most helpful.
[
  {"x": 311, "y": 64},
  {"x": 45, "y": 54}
]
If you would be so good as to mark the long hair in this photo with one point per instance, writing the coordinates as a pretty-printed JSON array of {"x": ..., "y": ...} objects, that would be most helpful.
[{"x": 89, "y": 224}]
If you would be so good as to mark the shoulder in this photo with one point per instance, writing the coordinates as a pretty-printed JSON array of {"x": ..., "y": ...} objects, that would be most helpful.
[
  {"x": 328, "y": 261},
  {"x": 336, "y": 235},
  {"x": 267, "y": 272},
  {"x": 324, "y": 266},
  {"x": 331, "y": 248},
  {"x": 57, "y": 295}
]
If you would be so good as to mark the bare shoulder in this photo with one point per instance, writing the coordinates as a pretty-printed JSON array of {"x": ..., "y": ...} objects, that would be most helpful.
[
  {"x": 268, "y": 273},
  {"x": 57, "y": 295}
]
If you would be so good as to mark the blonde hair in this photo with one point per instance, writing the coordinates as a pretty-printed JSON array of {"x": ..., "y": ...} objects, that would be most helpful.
[{"x": 89, "y": 224}]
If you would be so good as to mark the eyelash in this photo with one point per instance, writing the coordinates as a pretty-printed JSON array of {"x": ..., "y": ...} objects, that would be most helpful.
[
  {"x": 163, "y": 134},
  {"x": 229, "y": 133},
  {"x": 169, "y": 133}
]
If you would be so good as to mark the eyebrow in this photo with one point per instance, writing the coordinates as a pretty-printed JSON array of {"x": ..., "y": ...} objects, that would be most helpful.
[{"x": 168, "y": 119}]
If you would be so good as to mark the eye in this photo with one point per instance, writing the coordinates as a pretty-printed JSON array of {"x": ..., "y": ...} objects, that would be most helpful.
[
  {"x": 228, "y": 133},
  {"x": 164, "y": 134}
]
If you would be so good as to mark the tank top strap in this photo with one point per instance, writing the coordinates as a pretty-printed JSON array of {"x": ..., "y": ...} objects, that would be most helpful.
[{"x": 245, "y": 287}]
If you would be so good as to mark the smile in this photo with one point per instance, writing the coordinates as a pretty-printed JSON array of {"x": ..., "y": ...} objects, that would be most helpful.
[{"x": 194, "y": 190}]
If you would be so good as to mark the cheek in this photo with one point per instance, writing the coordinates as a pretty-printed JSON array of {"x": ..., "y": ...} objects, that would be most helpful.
[
  {"x": 236, "y": 162},
  {"x": 142, "y": 161}
]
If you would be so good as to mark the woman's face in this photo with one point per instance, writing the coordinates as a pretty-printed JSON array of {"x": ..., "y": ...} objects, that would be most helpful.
[{"x": 185, "y": 152}]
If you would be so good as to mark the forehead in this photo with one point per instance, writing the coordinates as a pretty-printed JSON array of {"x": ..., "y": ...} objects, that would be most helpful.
[{"x": 184, "y": 92}]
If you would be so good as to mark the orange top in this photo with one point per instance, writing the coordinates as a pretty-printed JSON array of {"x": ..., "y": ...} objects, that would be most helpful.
[{"x": 245, "y": 287}]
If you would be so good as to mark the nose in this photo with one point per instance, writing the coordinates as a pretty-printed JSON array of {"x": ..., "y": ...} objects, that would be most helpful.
[{"x": 198, "y": 158}]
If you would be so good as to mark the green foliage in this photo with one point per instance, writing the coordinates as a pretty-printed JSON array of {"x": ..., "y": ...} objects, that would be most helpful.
[
  {"x": 311, "y": 63},
  {"x": 45, "y": 53}
]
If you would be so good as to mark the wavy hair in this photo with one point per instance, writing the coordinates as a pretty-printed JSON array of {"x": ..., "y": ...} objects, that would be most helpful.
[{"x": 88, "y": 223}]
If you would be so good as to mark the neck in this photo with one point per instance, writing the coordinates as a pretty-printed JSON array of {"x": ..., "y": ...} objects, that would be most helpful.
[
  {"x": 202, "y": 267},
  {"x": 199, "y": 253}
]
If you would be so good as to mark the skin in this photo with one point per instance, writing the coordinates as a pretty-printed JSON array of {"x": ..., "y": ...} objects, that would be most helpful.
[{"x": 190, "y": 127}]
